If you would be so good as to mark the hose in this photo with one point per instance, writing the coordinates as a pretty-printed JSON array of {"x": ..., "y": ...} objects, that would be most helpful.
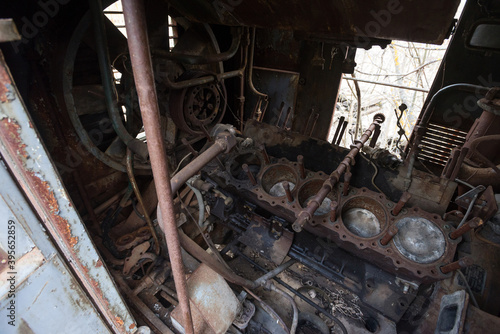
[{"x": 295, "y": 320}]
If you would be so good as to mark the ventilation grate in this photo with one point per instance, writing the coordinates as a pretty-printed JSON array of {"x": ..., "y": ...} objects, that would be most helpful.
[{"x": 437, "y": 143}]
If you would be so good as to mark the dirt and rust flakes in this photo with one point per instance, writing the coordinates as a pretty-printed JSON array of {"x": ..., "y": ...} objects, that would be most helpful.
[
  {"x": 98, "y": 263},
  {"x": 10, "y": 131},
  {"x": 4, "y": 82},
  {"x": 42, "y": 188},
  {"x": 100, "y": 296}
]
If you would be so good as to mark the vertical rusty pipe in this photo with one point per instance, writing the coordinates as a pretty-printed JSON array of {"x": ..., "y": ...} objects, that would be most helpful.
[
  {"x": 249, "y": 174},
  {"x": 313, "y": 126},
  {"x": 405, "y": 197},
  {"x": 393, "y": 230},
  {"x": 288, "y": 193},
  {"x": 375, "y": 136},
  {"x": 135, "y": 22},
  {"x": 333, "y": 211},
  {"x": 264, "y": 153},
  {"x": 347, "y": 182},
  {"x": 250, "y": 69},
  {"x": 300, "y": 161}
]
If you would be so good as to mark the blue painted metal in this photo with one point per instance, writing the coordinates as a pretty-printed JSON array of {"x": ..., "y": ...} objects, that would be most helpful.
[{"x": 31, "y": 166}]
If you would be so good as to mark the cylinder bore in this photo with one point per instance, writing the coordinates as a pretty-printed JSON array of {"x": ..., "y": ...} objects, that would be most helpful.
[
  {"x": 309, "y": 190},
  {"x": 364, "y": 217},
  {"x": 273, "y": 177},
  {"x": 251, "y": 159},
  {"x": 419, "y": 240}
]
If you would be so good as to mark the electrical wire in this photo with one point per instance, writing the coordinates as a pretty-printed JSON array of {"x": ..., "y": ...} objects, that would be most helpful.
[
  {"x": 180, "y": 163},
  {"x": 269, "y": 310},
  {"x": 471, "y": 295},
  {"x": 486, "y": 241},
  {"x": 374, "y": 174},
  {"x": 469, "y": 209},
  {"x": 135, "y": 187}
]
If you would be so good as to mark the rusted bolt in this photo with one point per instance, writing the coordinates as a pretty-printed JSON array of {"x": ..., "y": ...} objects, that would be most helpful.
[
  {"x": 393, "y": 230},
  {"x": 462, "y": 263},
  {"x": 402, "y": 202},
  {"x": 333, "y": 211},
  {"x": 471, "y": 224},
  {"x": 286, "y": 186},
  {"x": 249, "y": 174},
  {"x": 347, "y": 180},
  {"x": 264, "y": 153},
  {"x": 300, "y": 161}
]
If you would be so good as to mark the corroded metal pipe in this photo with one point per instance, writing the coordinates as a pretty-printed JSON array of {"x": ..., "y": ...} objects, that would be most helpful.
[
  {"x": 333, "y": 211},
  {"x": 393, "y": 230},
  {"x": 471, "y": 224},
  {"x": 135, "y": 22},
  {"x": 462, "y": 263},
  {"x": 402, "y": 202},
  {"x": 262, "y": 148},
  {"x": 249, "y": 174},
  {"x": 288, "y": 192},
  {"x": 300, "y": 161},
  {"x": 224, "y": 142},
  {"x": 204, "y": 59},
  {"x": 306, "y": 214},
  {"x": 347, "y": 182}
]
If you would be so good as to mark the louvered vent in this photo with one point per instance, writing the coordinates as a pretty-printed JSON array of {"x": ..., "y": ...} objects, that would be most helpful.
[{"x": 438, "y": 142}]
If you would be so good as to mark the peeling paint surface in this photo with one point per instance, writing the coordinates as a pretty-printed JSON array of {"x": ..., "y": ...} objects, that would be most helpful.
[{"x": 27, "y": 158}]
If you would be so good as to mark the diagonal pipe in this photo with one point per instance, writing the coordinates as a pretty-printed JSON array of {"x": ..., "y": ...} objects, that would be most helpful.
[{"x": 307, "y": 213}]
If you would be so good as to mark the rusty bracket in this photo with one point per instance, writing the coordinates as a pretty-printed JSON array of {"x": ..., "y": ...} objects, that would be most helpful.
[{"x": 465, "y": 199}]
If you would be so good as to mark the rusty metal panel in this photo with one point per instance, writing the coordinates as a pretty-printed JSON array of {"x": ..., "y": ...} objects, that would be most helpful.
[
  {"x": 30, "y": 164},
  {"x": 214, "y": 305},
  {"x": 417, "y": 21}
]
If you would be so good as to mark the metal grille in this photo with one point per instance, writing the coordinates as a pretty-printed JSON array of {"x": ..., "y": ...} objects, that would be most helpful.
[{"x": 438, "y": 142}]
